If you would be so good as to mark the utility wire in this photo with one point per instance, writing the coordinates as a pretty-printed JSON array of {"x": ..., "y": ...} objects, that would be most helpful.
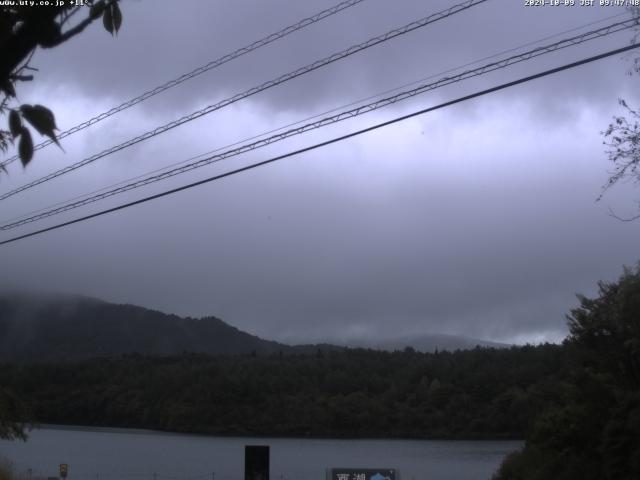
[
  {"x": 331, "y": 141},
  {"x": 326, "y": 112},
  {"x": 198, "y": 71},
  {"x": 594, "y": 34},
  {"x": 252, "y": 91}
]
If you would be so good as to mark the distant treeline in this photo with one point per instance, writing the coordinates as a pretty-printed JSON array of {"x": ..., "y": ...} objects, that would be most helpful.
[
  {"x": 577, "y": 404},
  {"x": 594, "y": 434},
  {"x": 481, "y": 393}
]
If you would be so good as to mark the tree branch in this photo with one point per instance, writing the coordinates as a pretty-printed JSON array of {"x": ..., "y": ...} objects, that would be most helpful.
[
  {"x": 623, "y": 219},
  {"x": 72, "y": 32},
  {"x": 22, "y": 78}
]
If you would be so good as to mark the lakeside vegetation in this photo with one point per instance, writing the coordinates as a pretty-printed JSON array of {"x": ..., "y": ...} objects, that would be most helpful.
[
  {"x": 577, "y": 404},
  {"x": 481, "y": 393},
  {"x": 595, "y": 433}
]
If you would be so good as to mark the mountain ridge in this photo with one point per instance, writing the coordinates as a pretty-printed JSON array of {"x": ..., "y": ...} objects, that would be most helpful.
[{"x": 46, "y": 328}]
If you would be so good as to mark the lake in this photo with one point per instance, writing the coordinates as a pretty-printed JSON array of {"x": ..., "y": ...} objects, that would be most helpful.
[{"x": 109, "y": 454}]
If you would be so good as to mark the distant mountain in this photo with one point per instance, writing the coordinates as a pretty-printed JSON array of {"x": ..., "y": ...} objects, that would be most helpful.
[
  {"x": 53, "y": 328},
  {"x": 428, "y": 343},
  {"x": 41, "y": 328}
]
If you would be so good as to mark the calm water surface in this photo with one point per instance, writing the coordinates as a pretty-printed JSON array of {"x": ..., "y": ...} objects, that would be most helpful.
[{"x": 110, "y": 454}]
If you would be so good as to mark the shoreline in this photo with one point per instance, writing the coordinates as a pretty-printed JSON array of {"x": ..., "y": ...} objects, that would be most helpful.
[{"x": 144, "y": 431}]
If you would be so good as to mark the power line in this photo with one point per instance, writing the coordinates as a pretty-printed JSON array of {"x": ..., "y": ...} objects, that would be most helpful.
[
  {"x": 329, "y": 142},
  {"x": 252, "y": 91},
  {"x": 614, "y": 28},
  {"x": 525, "y": 56},
  {"x": 306, "y": 119},
  {"x": 198, "y": 71}
]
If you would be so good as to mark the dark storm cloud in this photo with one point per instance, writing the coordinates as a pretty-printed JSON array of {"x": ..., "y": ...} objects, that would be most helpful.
[
  {"x": 163, "y": 40},
  {"x": 478, "y": 220}
]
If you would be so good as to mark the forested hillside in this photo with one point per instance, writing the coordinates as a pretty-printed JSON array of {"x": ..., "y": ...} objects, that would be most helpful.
[
  {"x": 54, "y": 328},
  {"x": 37, "y": 328},
  {"x": 595, "y": 433},
  {"x": 481, "y": 393},
  {"x": 577, "y": 404}
]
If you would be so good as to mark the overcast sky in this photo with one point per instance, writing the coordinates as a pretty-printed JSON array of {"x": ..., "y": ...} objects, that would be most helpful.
[{"x": 480, "y": 219}]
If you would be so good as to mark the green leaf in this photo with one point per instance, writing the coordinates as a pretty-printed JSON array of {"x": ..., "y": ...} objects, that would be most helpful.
[
  {"x": 15, "y": 124},
  {"x": 42, "y": 120},
  {"x": 112, "y": 18},
  {"x": 107, "y": 20},
  {"x": 25, "y": 147},
  {"x": 117, "y": 16}
]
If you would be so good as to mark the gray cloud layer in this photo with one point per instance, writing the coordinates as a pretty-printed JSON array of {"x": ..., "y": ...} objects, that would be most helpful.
[{"x": 479, "y": 220}]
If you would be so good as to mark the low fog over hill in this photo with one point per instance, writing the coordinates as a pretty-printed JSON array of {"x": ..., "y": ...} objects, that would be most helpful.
[{"x": 50, "y": 328}]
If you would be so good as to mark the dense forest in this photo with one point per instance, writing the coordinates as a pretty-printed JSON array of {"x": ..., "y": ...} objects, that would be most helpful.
[
  {"x": 481, "y": 393},
  {"x": 576, "y": 404},
  {"x": 595, "y": 433},
  {"x": 53, "y": 328},
  {"x": 39, "y": 328}
]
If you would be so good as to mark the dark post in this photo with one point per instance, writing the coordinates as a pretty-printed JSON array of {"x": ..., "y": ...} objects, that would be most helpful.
[{"x": 256, "y": 462}]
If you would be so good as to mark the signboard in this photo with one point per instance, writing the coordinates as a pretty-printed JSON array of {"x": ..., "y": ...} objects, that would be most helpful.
[
  {"x": 64, "y": 469},
  {"x": 364, "y": 474},
  {"x": 256, "y": 462}
]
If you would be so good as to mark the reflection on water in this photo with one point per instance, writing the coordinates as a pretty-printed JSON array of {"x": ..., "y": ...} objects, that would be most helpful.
[{"x": 109, "y": 454}]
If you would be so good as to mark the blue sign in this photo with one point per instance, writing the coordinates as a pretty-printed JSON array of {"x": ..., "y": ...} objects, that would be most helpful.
[{"x": 363, "y": 474}]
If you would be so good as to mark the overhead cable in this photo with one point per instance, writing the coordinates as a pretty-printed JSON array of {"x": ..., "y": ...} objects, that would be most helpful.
[
  {"x": 327, "y": 142},
  {"x": 312, "y": 117},
  {"x": 197, "y": 71},
  {"x": 490, "y": 67},
  {"x": 252, "y": 91}
]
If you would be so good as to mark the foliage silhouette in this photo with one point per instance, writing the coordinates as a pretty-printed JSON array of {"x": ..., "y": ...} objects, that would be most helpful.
[{"x": 24, "y": 28}]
